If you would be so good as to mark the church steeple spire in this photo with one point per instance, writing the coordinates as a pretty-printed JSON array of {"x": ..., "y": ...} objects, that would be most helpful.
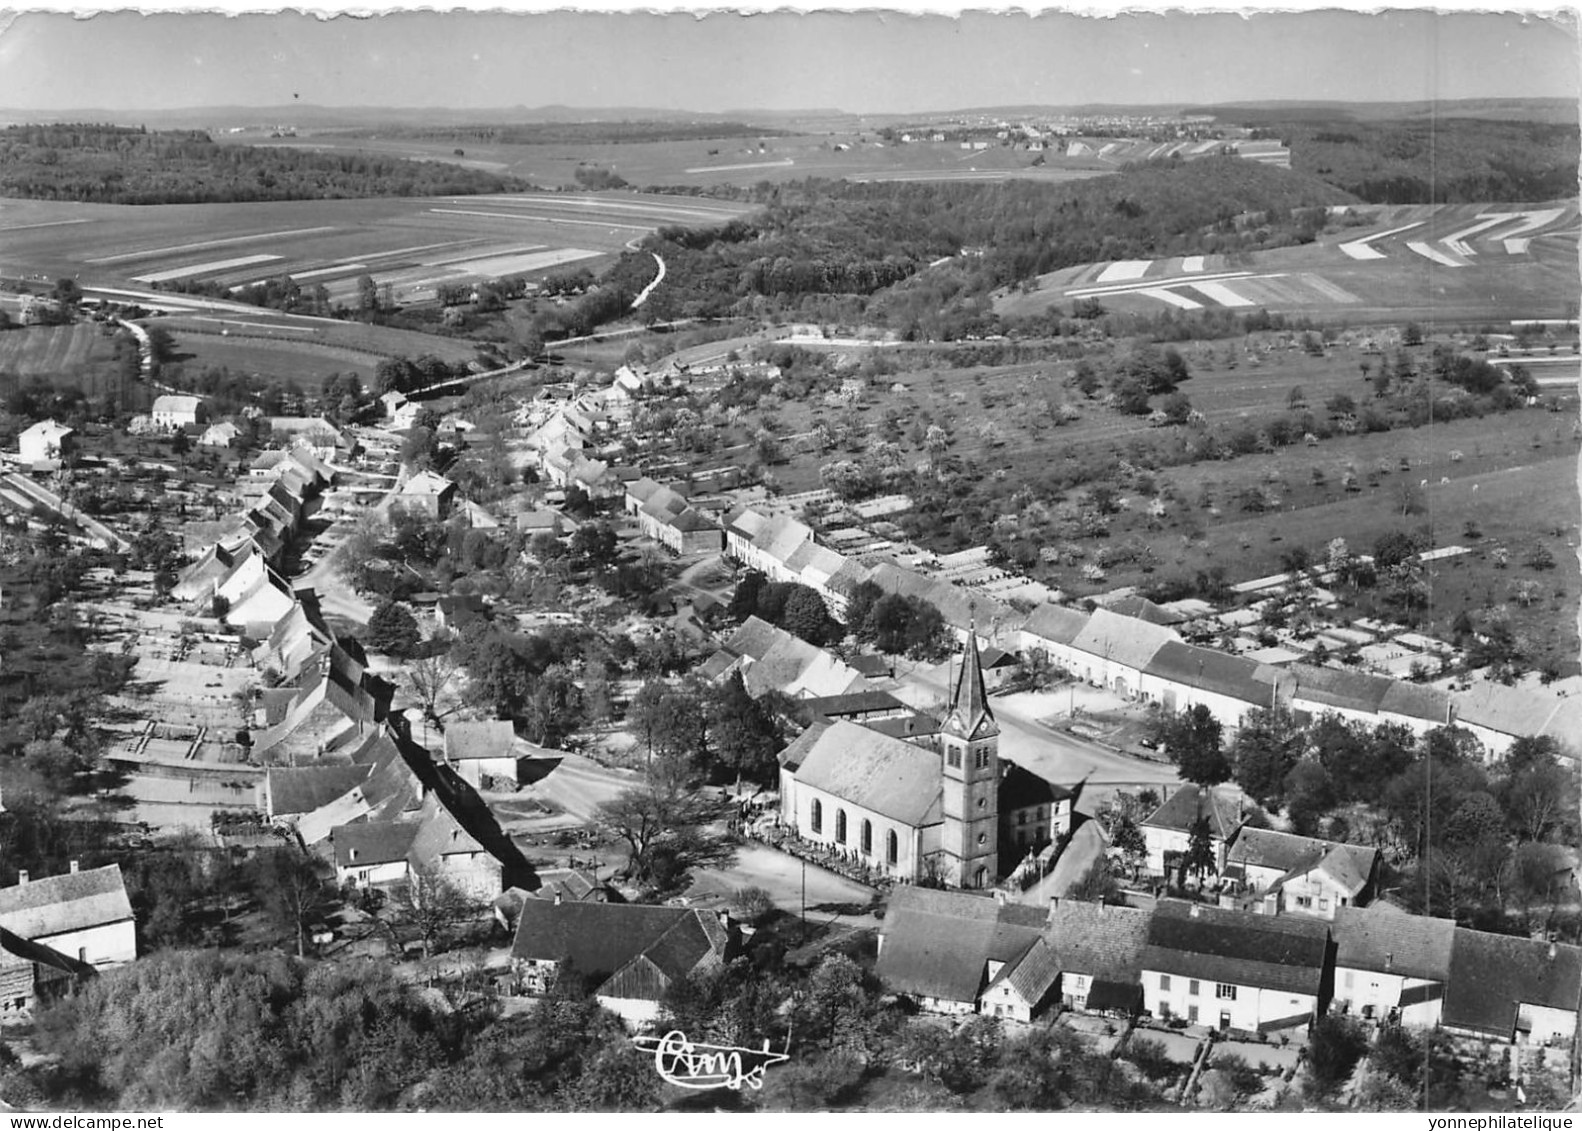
[{"x": 970, "y": 716}]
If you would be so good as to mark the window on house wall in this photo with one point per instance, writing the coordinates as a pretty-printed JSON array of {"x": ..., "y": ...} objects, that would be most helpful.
[
  {"x": 1192, "y": 1014},
  {"x": 1225, "y": 992},
  {"x": 1192, "y": 988},
  {"x": 1323, "y": 905},
  {"x": 1304, "y": 901},
  {"x": 867, "y": 836},
  {"x": 1164, "y": 982},
  {"x": 892, "y": 847},
  {"x": 816, "y": 817},
  {"x": 840, "y": 826}
]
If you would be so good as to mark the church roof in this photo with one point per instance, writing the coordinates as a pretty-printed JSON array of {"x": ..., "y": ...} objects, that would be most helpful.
[
  {"x": 970, "y": 716},
  {"x": 873, "y": 771}
]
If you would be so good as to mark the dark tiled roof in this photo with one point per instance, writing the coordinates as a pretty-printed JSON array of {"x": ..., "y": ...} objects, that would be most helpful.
[
  {"x": 1143, "y": 609},
  {"x": 73, "y": 901},
  {"x": 1269, "y": 848},
  {"x": 1097, "y": 940},
  {"x": 1384, "y": 941},
  {"x": 1492, "y": 976},
  {"x": 854, "y": 703},
  {"x": 302, "y": 789},
  {"x": 754, "y": 638},
  {"x": 1416, "y": 702},
  {"x": 1332, "y": 687},
  {"x": 1186, "y": 804},
  {"x": 364, "y": 845},
  {"x": 938, "y": 943},
  {"x": 598, "y": 939},
  {"x": 1271, "y": 952},
  {"x": 1209, "y": 670},
  {"x": 1020, "y": 788},
  {"x": 903, "y": 726}
]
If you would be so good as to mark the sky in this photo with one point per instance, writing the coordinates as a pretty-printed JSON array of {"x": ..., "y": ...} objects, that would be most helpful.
[{"x": 866, "y": 62}]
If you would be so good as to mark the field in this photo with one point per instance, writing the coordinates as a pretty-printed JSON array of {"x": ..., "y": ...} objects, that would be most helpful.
[
  {"x": 304, "y": 349},
  {"x": 410, "y": 244},
  {"x": 50, "y": 350},
  {"x": 1432, "y": 263},
  {"x": 721, "y": 161}
]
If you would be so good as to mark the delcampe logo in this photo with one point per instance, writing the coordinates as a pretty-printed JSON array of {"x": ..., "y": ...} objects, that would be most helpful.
[{"x": 687, "y": 1065}]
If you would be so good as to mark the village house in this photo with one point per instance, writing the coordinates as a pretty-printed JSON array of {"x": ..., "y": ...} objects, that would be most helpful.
[
  {"x": 1167, "y": 831},
  {"x": 1233, "y": 970},
  {"x": 629, "y": 955},
  {"x": 428, "y": 494},
  {"x": 1512, "y": 990},
  {"x": 172, "y": 412},
  {"x": 222, "y": 435},
  {"x": 84, "y": 915},
  {"x": 45, "y": 442},
  {"x": 1391, "y": 966},
  {"x": 1033, "y": 812},
  {"x": 384, "y": 854},
  {"x": 483, "y": 750},
  {"x": 1301, "y": 875},
  {"x": 960, "y": 952},
  {"x": 1099, "y": 949}
]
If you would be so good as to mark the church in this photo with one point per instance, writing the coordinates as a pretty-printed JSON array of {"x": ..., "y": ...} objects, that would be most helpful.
[{"x": 915, "y": 812}]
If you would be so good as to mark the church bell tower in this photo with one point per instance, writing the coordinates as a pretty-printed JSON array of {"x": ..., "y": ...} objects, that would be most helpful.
[{"x": 970, "y": 770}]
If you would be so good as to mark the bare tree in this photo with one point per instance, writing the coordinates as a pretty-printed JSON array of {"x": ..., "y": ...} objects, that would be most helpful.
[
  {"x": 431, "y": 677},
  {"x": 433, "y": 906},
  {"x": 291, "y": 889}
]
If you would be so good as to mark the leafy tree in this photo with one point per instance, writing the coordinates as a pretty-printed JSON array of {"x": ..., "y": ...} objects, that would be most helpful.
[
  {"x": 1128, "y": 839},
  {"x": 393, "y": 630},
  {"x": 1335, "y": 1044},
  {"x": 806, "y": 615},
  {"x": 1200, "y": 857},
  {"x": 1267, "y": 746},
  {"x": 1192, "y": 740},
  {"x": 742, "y": 734},
  {"x": 1309, "y": 794}
]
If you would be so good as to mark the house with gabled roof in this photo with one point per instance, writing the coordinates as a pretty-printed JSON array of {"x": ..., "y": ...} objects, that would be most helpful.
[
  {"x": 954, "y": 952},
  {"x": 1167, "y": 831},
  {"x": 45, "y": 442},
  {"x": 1235, "y": 970},
  {"x": 428, "y": 494},
  {"x": 1099, "y": 949},
  {"x": 31, "y": 971},
  {"x": 1498, "y": 715},
  {"x": 171, "y": 411},
  {"x": 1301, "y": 875},
  {"x": 629, "y": 955},
  {"x": 1116, "y": 650},
  {"x": 1180, "y": 676},
  {"x": 486, "y": 748},
  {"x": 1513, "y": 990},
  {"x": 85, "y": 915},
  {"x": 1390, "y": 965},
  {"x": 1049, "y": 633}
]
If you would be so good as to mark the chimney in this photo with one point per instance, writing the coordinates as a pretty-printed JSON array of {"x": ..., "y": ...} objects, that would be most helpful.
[
  {"x": 999, "y": 896},
  {"x": 557, "y": 897},
  {"x": 352, "y": 853},
  {"x": 1389, "y": 961},
  {"x": 1054, "y": 904},
  {"x": 1197, "y": 910},
  {"x": 74, "y": 867},
  {"x": 1553, "y": 951},
  {"x": 724, "y": 917},
  {"x": 21, "y": 877}
]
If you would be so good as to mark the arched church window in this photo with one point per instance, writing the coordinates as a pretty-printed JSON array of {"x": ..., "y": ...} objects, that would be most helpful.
[
  {"x": 840, "y": 826},
  {"x": 892, "y": 847},
  {"x": 867, "y": 837},
  {"x": 816, "y": 818}
]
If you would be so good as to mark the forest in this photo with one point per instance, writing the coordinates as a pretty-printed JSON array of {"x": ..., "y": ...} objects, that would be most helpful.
[
  {"x": 1449, "y": 161},
  {"x": 817, "y": 241},
  {"x": 105, "y": 164}
]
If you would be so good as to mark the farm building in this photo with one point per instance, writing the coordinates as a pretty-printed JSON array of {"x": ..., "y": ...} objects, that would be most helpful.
[
  {"x": 173, "y": 411},
  {"x": 1390, "y": 964},
  {"x": 479, "y": 750},
  {"x": 1100, "y": 949},
  {"x": 958, "y": 952},
  {"x": 1233, "y": 969},
  {"x": 1167, "y": 831},
  {"x": 85, "y": 916},
  {"x": 44, "y": 442},
  {"x": 630, "y": 954}
]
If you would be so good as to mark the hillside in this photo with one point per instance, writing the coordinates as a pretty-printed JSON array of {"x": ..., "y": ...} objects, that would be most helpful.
[
  {"x": 130, "y": 165},
  {"x": 842, "y": 251}
]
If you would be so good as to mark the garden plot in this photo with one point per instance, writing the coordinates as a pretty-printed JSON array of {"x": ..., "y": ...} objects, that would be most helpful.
[{"x": 1125, "y": 270}]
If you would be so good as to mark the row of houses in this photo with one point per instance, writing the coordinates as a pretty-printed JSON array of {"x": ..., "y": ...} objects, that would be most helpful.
[
  {"x": 1142, "y": 660},
  {"x": 1226, "y": 969},
  {"x": 785, "y": 549}
]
